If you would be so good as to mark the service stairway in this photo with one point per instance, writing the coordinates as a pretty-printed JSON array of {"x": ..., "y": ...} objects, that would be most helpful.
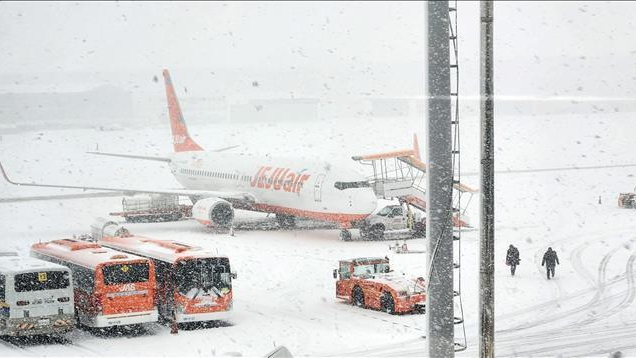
[{"x": 402, "y": 175}]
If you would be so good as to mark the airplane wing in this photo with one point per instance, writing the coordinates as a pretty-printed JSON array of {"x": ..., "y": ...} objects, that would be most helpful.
[
  {"x": 131, "y": 156},
  {"x": 230, "y": 196},
  {"x": 100, "y": 194},
  {"x": 145, "y": 157}
]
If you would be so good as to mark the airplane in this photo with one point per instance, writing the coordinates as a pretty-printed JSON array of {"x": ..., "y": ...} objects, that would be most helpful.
[{"x": 219, "y": 182}]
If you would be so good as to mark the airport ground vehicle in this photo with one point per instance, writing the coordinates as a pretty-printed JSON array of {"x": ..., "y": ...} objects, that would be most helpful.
[
  {"x": 393, "y": 221},
  {"x": 627, "y": 200},
  {"x": 194, "y": 283},
  {"x": 369, "y": 282},
  {"x": 36, "y": 297},
  {"x": 111, "y": 288},
  {"x": 152, "y": 208}
]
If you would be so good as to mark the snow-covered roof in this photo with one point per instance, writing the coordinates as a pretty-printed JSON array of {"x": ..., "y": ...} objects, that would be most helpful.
[
  {"x": 163, "y": 250},
  {"x": 83, "y": 253},
  {"x": 17, "y": 264}
]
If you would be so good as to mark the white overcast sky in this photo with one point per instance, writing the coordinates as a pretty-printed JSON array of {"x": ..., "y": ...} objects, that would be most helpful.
[{"x": 587, "y": 44}]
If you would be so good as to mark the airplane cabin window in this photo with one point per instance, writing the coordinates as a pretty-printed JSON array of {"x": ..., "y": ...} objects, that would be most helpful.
[{"x": 341, "y": 185}]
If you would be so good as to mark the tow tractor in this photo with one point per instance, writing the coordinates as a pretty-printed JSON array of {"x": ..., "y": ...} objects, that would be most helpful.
[{"x": 369, "y": 282}]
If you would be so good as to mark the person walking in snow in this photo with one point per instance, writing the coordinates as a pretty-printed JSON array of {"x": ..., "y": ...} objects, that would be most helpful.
[
  {"x": 512, "y": 259},
  {"x": 550, "y": 260}
]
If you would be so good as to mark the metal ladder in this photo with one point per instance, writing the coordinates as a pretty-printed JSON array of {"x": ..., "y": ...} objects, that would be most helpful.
[
  {"x": 398, "y": 177},
  {"x": 460, "y": 339}
]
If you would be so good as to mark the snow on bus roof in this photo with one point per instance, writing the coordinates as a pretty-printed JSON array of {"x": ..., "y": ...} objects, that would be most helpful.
[
  {"x": 164, "y": 250},
  {"x": 83, "y": 253},
  {"x": 16, "y": 264}
]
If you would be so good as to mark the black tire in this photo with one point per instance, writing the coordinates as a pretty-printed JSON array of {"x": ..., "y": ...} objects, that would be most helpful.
[
  {"x": 286, "y": 221},
  {"x": 357, "y": 297},
  {"x": 387, "y": 304},
  {"x": 345, "y": 235},
  {"x": 420, "y": 230},
  {"x": 376, "y": 232}
]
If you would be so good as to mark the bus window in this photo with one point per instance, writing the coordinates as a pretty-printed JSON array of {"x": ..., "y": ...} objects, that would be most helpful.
[
  {"x": 203, "y": 274},
  {"x": 2, "y": 284},
  {"x": 221, "y": 276},
  {"x": 125, "y": 273},
  {"x": 83, "y": 278},
  {"x": 38, "y": 281}
]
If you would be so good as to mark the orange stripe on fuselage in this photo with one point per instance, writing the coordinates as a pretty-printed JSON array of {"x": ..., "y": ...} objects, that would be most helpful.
[
  {"x": 335, "y": 217},
  {"x": 344, "y": 219}
]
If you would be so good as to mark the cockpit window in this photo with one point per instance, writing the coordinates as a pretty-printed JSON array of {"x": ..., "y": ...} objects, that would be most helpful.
[{"x": 342, "y": 185}]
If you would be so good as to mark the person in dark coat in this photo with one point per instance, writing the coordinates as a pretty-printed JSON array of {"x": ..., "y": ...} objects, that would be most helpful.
[
  {"x": 550, "y": 260},
  {"x": 512, "y": 259}
]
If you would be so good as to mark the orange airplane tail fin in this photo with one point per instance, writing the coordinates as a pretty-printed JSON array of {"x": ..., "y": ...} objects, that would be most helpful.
[
  {"x": 416, "y": 148},
  {"x": 181, "y": 140}
]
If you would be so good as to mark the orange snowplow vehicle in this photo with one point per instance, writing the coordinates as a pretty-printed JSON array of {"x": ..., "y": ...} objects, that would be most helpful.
[{"x": 369, "y": 282}]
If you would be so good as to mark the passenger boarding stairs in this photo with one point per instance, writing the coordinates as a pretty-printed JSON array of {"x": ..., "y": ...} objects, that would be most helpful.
[{"x": 402, "y": 175}]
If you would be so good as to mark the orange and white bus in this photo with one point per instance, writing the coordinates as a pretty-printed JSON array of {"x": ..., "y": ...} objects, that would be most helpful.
[
  {"x": 196, "y": 281},
  {"x": 111, "y": 288}
]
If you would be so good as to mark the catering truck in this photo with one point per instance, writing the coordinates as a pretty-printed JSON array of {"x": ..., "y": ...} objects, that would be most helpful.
[{"x": 393, "y": 222}]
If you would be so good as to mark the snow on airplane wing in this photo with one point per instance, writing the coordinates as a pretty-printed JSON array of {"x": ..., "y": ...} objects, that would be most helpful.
[
  {"x": 145, "y": 157},
  {"x": 238, "y": 196}
]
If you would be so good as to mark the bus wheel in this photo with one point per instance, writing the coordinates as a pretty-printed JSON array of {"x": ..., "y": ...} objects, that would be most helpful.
[{"x": 357, "y": 297}]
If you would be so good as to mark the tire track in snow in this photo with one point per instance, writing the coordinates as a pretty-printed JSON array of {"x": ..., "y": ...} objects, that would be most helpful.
[
  {"x": 583, "y": 271},
  {"x": 557, "y": 335},
  {"x": 568, "y": 313},
  {"x": 550, "y": 344},
  {"x": 577, "y": 263},
  {"x": 630, "y": 293}
]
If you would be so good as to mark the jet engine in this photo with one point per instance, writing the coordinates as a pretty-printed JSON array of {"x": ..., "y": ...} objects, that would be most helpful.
[{"x": 213, "y": 212}]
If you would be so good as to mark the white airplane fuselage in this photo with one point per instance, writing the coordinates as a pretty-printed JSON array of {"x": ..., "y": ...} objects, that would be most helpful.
[{"x": 286, "y": 186}]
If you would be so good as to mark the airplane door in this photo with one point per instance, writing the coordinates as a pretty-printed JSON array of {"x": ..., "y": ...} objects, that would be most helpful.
[{"x": 318, "y": 188}]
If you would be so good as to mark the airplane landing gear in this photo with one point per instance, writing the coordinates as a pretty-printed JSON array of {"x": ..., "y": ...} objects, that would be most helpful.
[
  {"x": 345, "y": 235},
  {"x": 286, "y": 221}
]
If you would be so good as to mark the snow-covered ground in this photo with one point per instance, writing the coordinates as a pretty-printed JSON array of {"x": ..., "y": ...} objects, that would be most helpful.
[{"x": 284, "y": 294}]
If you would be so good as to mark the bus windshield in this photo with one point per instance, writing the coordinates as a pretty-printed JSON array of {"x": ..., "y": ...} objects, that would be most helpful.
[
  {"x": 38, "y": 281},
  {"x": 210, "y": 274},
  {"x": 125, "y": 273}
]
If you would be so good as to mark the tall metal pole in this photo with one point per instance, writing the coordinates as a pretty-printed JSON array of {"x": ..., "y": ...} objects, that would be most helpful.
[
  {"x": 487, "y": 234},
  {"x": 439, "y": 183}
]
